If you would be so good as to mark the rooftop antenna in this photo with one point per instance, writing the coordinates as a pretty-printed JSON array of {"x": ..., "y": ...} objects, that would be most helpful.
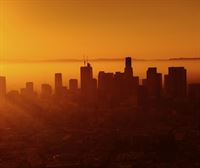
[
  {"x": 87, "y": 60},
  {"x": 84, "y": 61}
]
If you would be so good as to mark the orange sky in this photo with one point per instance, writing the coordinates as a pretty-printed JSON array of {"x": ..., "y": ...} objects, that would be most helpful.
[{"x": 54, "y": 29}]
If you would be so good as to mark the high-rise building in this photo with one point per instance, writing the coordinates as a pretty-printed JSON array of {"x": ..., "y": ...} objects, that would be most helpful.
[
  {"x": 46, "y": 91},
  {"x": 131, "y": 82},
  {"x": 88, "y": 84},
  {"x": 153, "y": 83},
  {"x": 13, "y": 95},
  {"x": 119, "y": 86},
  {"x": 28, "y": 91},
  {"x": 128, "y": 71},
  {"x": 2, "y": 86},
  {"x": 29, "y": 87},
  {"x": 105, "y": 81},
  {"x": 73, "y": 84},
  {"x": 176, "y": 82},
  {"x": 58, "y": 84},
  {"x": 86, "y": 77},
  {"x": 194, "y": 93},
  {"x": 105, "y": 86}
]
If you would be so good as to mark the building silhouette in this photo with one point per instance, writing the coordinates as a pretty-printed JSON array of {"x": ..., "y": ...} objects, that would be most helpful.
[
  {"x": 105, "y": 86},
  {"x": 28, "y": 91},
  {"x": 128, "y": 70},
  {"x": 130, "y": 83},
  {"x": 194, "y": 94},
  {"x": 73, "y": 84},
  {"x": 29, "y": 87},
  {"x": 58, "y": 85},
  {"x": 86, "y": 77},
  {"x": 175, "y": 83},
  {"x": 153, "y": 83},
  {"x": 13, "y": 95},
  {"x": 2, "y": 86},
  {"x": 88, "y": 84},
  {"x": 46, "y": 91}
]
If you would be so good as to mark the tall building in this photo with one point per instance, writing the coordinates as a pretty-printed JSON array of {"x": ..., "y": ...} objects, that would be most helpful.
[
  {"x": 73, "y": 84},
  {"x": 86, "y": 77},
  {"x": 88, "y": 84},
  {"x": 119, "y": 87},
  {"x": 58, "y": 84},
  {"x": 105, "y": 85},
  {"x": 176, "y": 82},
  {"x": 153, "y": 83},
  {"x": 128, "y": 71},
  {"x": 194, "y": 93},
  {"x": 2, "y": 86},
  {"x": 28, "y": 91},
  {"x": 105, "y": 81},
  {"x": 29, "y": 87},
  {"x": 13, "y": 95},
  {"x": 46, "y": 91},
  {"x": 131, "y": 82}
]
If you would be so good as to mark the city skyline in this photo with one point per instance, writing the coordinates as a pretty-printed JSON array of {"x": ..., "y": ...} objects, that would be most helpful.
[
  {"x": 66, "y": 81},
  {"x": 59, "y": 81},
  {"x": 99, "y": 83}
]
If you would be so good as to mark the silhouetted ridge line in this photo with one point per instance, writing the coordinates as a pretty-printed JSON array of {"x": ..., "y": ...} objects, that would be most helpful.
[
  {"x": 97, "y": 59},
  {"x": 182, "y": 58}
]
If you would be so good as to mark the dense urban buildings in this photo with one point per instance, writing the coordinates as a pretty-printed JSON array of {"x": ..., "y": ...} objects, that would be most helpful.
[
  {"x": 2, "y": 86},
  {"x": 176, "y": 82},
  {"x": 116, "y": 88},
  {"x": 110, "y": 122}
]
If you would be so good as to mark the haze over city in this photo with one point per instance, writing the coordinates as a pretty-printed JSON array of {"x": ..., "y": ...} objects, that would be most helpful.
[{"x": 99, "y": 84}]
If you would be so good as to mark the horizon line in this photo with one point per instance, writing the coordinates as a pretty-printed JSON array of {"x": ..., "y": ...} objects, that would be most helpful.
[{"x": 96, "y": 60}]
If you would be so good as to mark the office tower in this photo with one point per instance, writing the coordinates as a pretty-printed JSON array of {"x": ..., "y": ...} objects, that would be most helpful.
[
  {"x": 29, "y": 87},
  {"x": 58, "y": 84},
  {"x": 28, "y": 91},
  {"x": 105, "y": 81},
  {"x": 86, "y": 77},
  {"x": 194, "y": 99},
  {"x": 128, "y": 71},
  {"x": 73, "y": 84},
  {"x": 153, "y": 83},
  {"x": 130, "y": 82},
  {"x": 94, "y": 85},
  {"x": 194, "y": 93},
  {"x": 2, "y": 86},
  {"x": 13, "y": 95},
  {"x": 119, "y": 86},
  {"x": 105, "y": 86},
  {"x": 23, "y": 91},
  {"x": 176, "y": 82},
  {"x": 88, "y": 84},
  {"x": 46, "y": 91}
]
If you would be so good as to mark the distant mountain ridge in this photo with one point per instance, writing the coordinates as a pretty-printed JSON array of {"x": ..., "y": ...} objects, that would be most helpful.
[{"x": 97, "y": 59}]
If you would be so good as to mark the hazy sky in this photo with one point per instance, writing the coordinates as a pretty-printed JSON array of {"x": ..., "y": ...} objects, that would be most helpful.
[{"x": 54, "y": 29}]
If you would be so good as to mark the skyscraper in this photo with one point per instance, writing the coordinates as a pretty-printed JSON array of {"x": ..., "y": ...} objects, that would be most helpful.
[
  {"x": 58, "y": 84},
  {"x": 2, "y": 86},
  {"x": 29, "y": 87},
  {"x": 128, "y": 71},
  {"x": 105, "y": 86},
  {"x": 88, "y": 84},
  {"x": 73, "y": 84},
  {"x": 194, "y": 93},
  {"x": 153, "y": 83},
  {"x": 176, "y": 82},
  {"x": 86, "y": 77},
  {"x": 46, "y": 91}
]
